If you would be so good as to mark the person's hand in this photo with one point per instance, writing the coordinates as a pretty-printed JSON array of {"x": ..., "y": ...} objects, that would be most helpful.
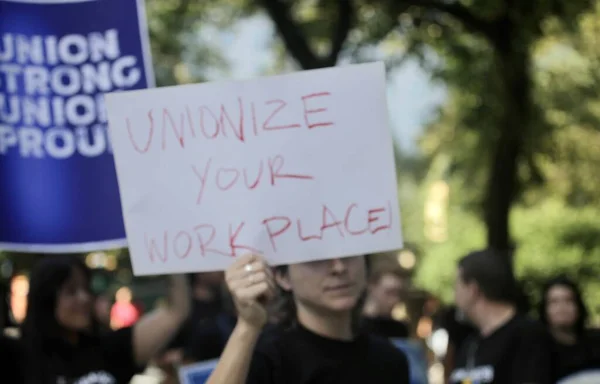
[{"x": 252, "y": 286}]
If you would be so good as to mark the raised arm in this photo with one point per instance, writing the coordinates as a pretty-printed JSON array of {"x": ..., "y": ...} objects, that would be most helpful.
[
  {"x": 252, "y": 285},
  {"x": 155, "y": 329}
]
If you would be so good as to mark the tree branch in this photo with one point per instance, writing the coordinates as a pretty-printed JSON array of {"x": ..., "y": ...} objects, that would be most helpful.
[
  {"x": 291, "y": 33},
  {"x": 462, "y": 14},
  {"x": 341, "y": 31},
  {"x": 296, "y": 41}
]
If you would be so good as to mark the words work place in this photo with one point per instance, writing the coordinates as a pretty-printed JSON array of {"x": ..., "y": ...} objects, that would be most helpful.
[{"x": 206, "y": 240}]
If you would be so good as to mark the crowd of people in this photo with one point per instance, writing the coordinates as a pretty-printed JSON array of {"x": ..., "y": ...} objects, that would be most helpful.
[{"x": 326, "y": 321}]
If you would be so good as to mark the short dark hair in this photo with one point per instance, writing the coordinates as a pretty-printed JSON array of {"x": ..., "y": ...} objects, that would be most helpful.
[
  {"x": 378, "y": 272},
  {"x": 563, "y": 281},
  {"x": 492, "y": 271}
]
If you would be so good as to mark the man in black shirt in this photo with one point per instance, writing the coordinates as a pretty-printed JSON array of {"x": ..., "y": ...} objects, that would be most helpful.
[{"x": 508, "y": 347}]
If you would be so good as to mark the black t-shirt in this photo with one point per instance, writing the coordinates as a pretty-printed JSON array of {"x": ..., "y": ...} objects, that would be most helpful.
[
  {"x": 299, "y": 356},
  {"x": 385, "y": 327},
  {"x": 518, "y": 352},
  {"x": 10, "y": 361},
  {"x": 584, "y": 355},
  {"x": 107, "y": 359}
]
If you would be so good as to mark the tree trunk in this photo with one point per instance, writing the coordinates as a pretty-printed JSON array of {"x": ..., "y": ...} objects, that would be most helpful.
[{"x": 514, "y": 72}]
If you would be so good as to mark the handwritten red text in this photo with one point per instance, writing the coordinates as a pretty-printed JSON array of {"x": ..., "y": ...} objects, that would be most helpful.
[
  {"x": 205, "y": 239},
  {"x": 247, "y": 118}
]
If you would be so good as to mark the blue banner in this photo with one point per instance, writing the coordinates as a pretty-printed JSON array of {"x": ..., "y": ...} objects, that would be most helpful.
[
  {"x": 197, "y": 373},
  {"x": 58, "y": 186}
]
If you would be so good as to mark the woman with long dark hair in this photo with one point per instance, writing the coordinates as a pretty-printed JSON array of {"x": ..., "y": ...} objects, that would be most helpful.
[
  {"x": 319, "y": 340},
  {"x": 563, "y": 311},
  {"x": 60, "y": 337}
]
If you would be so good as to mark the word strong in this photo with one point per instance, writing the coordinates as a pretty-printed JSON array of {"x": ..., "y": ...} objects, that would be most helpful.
[{"x": 297, "y": 168}]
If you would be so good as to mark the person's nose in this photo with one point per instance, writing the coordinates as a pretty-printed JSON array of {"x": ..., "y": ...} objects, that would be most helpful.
[
  {"x": 84, "y": 296},
  {"x": 338, "y": 266}
]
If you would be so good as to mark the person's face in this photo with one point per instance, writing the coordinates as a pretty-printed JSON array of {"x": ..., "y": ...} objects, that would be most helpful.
[
  {"x": 561, "y": 308},
  {"x": 465, "y": 294},
  {"x": 102, "y": 308},
  {"x": 331, "y": 285},
  {"x": 73, "y": 305},
  {"x": 386, "y": 293}
]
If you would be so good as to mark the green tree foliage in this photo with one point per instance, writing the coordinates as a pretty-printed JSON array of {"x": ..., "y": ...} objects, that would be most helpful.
[
  {"x": 178, "y": 28},
  {"x": 556, "y": 222}
]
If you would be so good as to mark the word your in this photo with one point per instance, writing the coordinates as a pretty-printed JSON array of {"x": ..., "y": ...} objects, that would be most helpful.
[
  {"x": 205, "y": 239},
  {"x": 218, "y": 123},
  {"x": 52, "y": 92},
  {"x": 225, "y": 178}
]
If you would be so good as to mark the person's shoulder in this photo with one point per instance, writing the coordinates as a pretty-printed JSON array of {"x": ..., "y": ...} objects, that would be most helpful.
[
  {"x": 530, "y": 330},
  {"x": 385, "y": 351}
]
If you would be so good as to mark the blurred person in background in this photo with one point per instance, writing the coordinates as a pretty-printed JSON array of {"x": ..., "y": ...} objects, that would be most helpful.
[
  {"x": 102, "y": 307},
  {"x": 123, "y": 312},
  {"x": 318, "y": 340},
  {"x": 384, "y": 293},
  {"x": 207, "y": 306},
  {"x": 60, "y": 338},
  {"x": 563, "y": 311},
  {"x": 10, "y": 353},
  {"x": 209, "y": 337},
  {"x": 206, "y": 295},
  {"x": 508, "y": 348}
]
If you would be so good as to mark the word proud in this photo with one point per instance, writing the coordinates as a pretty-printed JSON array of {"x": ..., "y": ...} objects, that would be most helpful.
[
  {"x": 205, "y": 239},
  {"x": 237, "y": 121}
]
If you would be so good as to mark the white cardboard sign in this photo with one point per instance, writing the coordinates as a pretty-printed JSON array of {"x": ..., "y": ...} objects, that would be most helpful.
[{"x": 296, "y": 167}]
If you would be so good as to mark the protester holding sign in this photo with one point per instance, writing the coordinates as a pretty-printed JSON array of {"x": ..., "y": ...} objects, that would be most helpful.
[
  {"x": 321, "y": 344},
  {"x": 563, "y": 311},
  {"x": 297, "y": 168},
  {"x": 59, "y": 333}
]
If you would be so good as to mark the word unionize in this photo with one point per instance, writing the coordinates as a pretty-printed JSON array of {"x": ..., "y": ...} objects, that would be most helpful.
[
  {"x": 246, "y": 119},
  {"x": 51, "y": 92},
  {"x": 206, "y": 240}
]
